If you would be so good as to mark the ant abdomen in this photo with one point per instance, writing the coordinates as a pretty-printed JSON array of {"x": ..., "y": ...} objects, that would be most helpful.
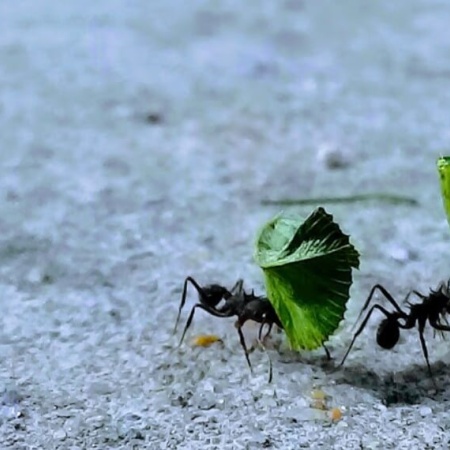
[{"x": 388, "y": 333}]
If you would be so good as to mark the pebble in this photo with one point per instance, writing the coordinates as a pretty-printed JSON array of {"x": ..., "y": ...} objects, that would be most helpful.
[
  {"x": 331, "y": 157},
  {"x": 401, "y": 254},
  {"x": 11, "y": 412},
  {"x": 425, "y": 411},
  {"x": 60, "y": 434},
  {"x": 96, "y": 421},
  {"x": 373, "y": 445}
]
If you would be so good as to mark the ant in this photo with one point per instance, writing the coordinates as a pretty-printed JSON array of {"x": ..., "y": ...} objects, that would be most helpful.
[
  {"x": 220, "y": 302},
  {"x": 433, "y": 308}
]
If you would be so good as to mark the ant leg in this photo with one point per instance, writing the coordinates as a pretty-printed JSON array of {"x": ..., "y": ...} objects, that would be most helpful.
[
  {"x": 424, "y": 348},
  {"x": 238, "y": 287},
  {"x": 362, "y": 326},
  {"x": 327, "y": 352},
  {"x": 269, "y": 358},
  {"x": 191, "y": 316},
  {"x": 269, "y": 329},
  {"x": 421, "y": 296},
  {"x": 439, "y": 327},
  {"x": 260, "y": 331},
  {"x": 387, "y": 295},
  {"x": 183, "y": 298},
  {"x": 239, "y": 325}
]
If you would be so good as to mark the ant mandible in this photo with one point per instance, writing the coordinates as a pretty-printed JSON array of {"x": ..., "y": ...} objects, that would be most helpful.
[
  {"x": 433, "y": 308},
  {"x": 220, "y": 302}
]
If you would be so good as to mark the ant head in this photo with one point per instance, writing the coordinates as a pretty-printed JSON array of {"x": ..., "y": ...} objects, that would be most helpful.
[
  {"x": 388, "y": 333},
  {"x": 213, "y": 294}
]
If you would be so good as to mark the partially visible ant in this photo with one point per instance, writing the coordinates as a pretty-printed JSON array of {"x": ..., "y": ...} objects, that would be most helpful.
[
  {"x": 432, "y": 309},
  {"x": 221, "y": 302}
]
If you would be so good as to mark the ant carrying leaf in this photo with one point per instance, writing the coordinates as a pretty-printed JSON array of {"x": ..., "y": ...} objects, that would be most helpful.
[
  {"x": 432, "y": 309},
  {"x": 307, "y": 265}
]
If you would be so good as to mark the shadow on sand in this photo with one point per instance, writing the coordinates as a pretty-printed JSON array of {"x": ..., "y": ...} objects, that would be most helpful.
[{"x": 409, "y": 386}]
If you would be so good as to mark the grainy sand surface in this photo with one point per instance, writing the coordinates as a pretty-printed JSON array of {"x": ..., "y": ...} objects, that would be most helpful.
[{"x": 138, "y": 140}]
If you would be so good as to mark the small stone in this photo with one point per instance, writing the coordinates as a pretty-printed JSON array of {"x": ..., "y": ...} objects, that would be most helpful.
[
  {"x": 331, "y": 157},
  {"x": 201, "y": 419},
  {"x": 11, "y": 412},
  {"x": 206, "y": 404},
  {"x": 72, "y": 426},
  {"x": 131, "y": 417},
  {"x": 35, "y": 275},
  {"x": 425, "y": 411},
  {"x": 60, "y": 434},
  {"x": 96, "y": 421},
  {"x": 301, "y": 414},
  {"x": 207, "y": 386},
  {"x": 135, "y": 433},
  {"x": 373, "y": 445},
  {"x": 400, "y": 254}
]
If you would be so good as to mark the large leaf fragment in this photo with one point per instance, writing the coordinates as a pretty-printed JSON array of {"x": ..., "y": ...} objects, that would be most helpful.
[{"x": 307, "y": 266}]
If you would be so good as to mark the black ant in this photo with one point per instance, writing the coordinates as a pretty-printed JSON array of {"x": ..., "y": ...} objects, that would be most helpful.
[
  {"x": 220, "y": 302},
  {"x": 433, "y": 309}
]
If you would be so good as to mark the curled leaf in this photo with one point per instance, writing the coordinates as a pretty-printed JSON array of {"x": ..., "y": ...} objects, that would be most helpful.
[{"x": 307, "y": 267}]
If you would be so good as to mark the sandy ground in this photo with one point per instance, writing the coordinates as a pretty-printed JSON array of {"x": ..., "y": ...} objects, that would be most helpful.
[{"x": 138, "y": 140}]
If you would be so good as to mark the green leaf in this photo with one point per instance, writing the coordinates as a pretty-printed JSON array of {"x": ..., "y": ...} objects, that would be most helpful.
[
  {"x": 443, "y": 164},
  {"x": 307, "y": 268}
]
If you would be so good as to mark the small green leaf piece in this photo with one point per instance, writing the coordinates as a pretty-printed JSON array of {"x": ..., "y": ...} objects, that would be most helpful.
[
  {"x": 443, "y": 164},
  {"x": 307, "y": 266}
]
